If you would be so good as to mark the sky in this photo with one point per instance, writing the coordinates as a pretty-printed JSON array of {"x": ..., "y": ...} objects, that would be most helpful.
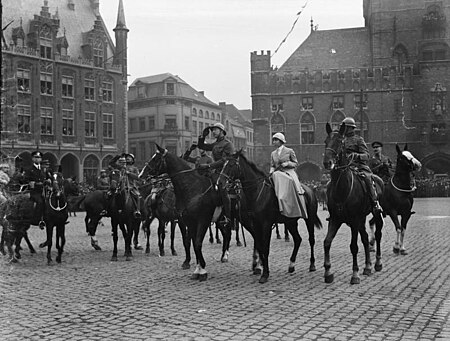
[{"x": 208, "y": 43}]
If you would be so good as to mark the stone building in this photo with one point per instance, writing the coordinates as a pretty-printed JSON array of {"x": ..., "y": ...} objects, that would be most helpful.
[
  {"x": 64, "y": 85},
  {"x": 392, "y": 76}
]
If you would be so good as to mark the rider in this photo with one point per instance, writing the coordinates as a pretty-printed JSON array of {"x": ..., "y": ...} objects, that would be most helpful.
[
  {"x": 4, "y": 180},
  {"x": 380, "y": 164},
  {"x": 103, "y": 182},
  {"x": 356, "y": 148},
  {"x": 36, "y": 176},
  {"x": 198, "y": 160},
  {"x": 133, "y": 177},
  {"x": 283, "y": 161}
]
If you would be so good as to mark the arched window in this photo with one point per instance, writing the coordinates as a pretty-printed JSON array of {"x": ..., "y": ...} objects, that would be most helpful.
[
  {"x": 207, "y": 114},
  {"x": 277, "y": 124},
  {"x": 213, "y": 116},
  {"x": 307, "y": 128},
  {"x": 400, "y": 56},
  {"x": 365, "y": 125},
  {"x": 336, "y": 119},
  {"x": 194, "y": 112},
  {"x": 200, "y": 113},
  {"x": 90, "y": 169},
  {"x": 46, "y": 42},
  {"x": 218, "y": 117}
]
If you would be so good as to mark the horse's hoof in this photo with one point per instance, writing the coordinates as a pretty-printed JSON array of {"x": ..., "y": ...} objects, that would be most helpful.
[
  {"x": 291, "y": 269},
  {"x": 58, "y": 259},
  {"x": 378, "y": 267},
  {"x": 202, "y": 277},
  {"x": 329, "y": 278},
  {"x": 17, "y": 255},
  {"x": 367, "y": 272},
  {"x": 96, "y": 247},
  {"x": 32, "y": 250},
  {"x": 396, "y": 250},
  {"x": 312, "y": 268},
  {"x": 219, "y": 241},
  {"x": 174, "y": 253},
  {"x": 224, "y": 260},
  {"x": 147, "y": 250},
  {"x": 162, "y": 253},
  {"x": 263, "y": 279},
  {"x": 185, "y": 266},
  {"x": 287, "y": 239},
  {"x": 195, "y": 276},
  {"x": 128, "y": 258},
  {"x": 43, "y": 244},
  {"x": 114, "y": 259},
  {"x": 257, "y": 271},
  {"x": 355, "y": 280},
  {"x": 211, "y": 240},
  {"x": 13, "y": 260},
  {"x": 49, "y": 262},
  {"x": 278, "y": 236},
  {"x": 138, "y": 247},
  {"x": 403, "y": 252},
  {"x": 238, "y": 243}
]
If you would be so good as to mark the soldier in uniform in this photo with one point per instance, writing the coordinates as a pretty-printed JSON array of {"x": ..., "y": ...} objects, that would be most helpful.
[
  {"x": 36, "y": 177},
  {"x": 198, "y": 160},
  {"x": 355, "y": 147},
  {"x": 103, "y": 182},
  {"x": 220, "y": 149},
  {"x": 380, "y": 164}
]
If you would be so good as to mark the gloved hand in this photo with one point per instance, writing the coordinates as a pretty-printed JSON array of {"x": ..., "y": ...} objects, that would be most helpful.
[
  {"x": 203, "y": 166},
  {"x": 205, "y": 132}
]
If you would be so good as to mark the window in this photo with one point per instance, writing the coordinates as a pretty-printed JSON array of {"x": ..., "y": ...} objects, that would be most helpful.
[
  {"x": 194, "y": 127},
  {"x": 338, "y": 102},
  {"x": 90, "y": 169},
  {"x": 133, "y": 125},
  {"x": 141, "y": 91},
  {"x": 142, "y": 154},
  {"x": 107, "y": 91},
  {"x": 23, "y": 119},
  {"x": 170, "y": 102},
  {"x": 170, "y": 123},
  {"x": 194, "y": 112},
  {"x": 277, "y": 104},
  {"x": 170, "y": 89},
  {"x": 98, "y": 52},
  {"x": 213, "y": 116},
  {"x": 46, "y": 42},
  {"x": 358, "y": 101},
  {"x": 200, "y": 113},
  {"x": 67, "y": 86},
  {"x": 89, "y": 89},
  {"x": 151, "y": 123},
  {"x": 46, "y": 83},
  {"x": 200, "y": 126},
  {"x": 218, "y": 117},
  {"x": 23, "y": 80},
  {"x": 336, "y": 119},
  {"x": 307, "y": 129},
  {"x": 277, "y": 123},
  {"x": 186, "y": 123},
  {"x": 307, "y": 103},
  {"x": 67, "y": 121},
  {"x": 89, "y": 124},
  {"x": 108, "y": 121},
  {"x": 207, "y": 114},
  {"x": 440, "y": 55},
  {"x": 46, "y": 121},
  {"x": 141, "y": 123}
]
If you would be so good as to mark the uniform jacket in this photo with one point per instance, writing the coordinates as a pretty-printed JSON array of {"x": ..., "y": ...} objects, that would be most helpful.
[
  {"x": 354, "y": 144},
  {"x": 381, "y": 165},
  {"x": 103, "y": 183},
  {"x": 221, "y": 149},
  {"x": 38, "y": 176}
]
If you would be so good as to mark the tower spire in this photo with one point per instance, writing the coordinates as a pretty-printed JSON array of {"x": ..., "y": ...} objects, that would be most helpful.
[{"x": 121, "y": 17}]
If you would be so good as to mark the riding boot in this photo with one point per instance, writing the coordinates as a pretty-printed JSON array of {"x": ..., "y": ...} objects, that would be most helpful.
[
  {"x": 137, "y": 213},
  {"x": 376, "y": 209}
]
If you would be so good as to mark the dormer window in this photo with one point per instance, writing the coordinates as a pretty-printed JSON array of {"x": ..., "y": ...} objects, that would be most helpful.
[
  {"x": 98, "y": 52},
  {"x": 141, "y": 91},
  {"x": 170, "y": 89},
  {"x": 46, "y": 42}
]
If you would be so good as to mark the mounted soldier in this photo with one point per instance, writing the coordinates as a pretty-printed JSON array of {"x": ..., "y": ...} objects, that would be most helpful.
[
  {"x": 380, "y": 164},
  {"x": 356, "y": 149},
  {"x": 36, "y": 176},
  {"x": 203, "y": 159}
]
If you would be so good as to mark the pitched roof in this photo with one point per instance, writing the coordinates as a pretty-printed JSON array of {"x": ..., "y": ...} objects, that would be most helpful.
[
  {"x": 237, "y": 114},
  {"x": 331, "y": 49},
  {"x": 157, "y": 79},
  {"x": 76, "y": 21}
]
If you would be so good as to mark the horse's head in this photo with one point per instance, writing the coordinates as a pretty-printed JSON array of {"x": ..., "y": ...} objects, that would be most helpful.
[
  {"x": 156, "y": 165},
  {"x": 57, "y": 185},
  {"x": 406, "y": 162},
  {"x": 333, "y": 147},
  {"x": 231, "y": 168}
]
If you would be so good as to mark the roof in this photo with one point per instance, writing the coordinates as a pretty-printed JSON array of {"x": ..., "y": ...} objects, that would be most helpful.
[
  {"x": 238, "y": 115},
  {"x": 74, "y": 22},
  {"x": 331, "y": 49},
  {"x": 182, "y": 88}
]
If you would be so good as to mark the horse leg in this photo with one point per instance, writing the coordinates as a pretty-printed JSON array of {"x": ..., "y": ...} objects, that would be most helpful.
[
  {"x": 286, "y": 233},
  {"x": 49, "y": 230},
  {"x": 372, "y": 234},
  {"x": 146, "y": 227},
  {"x": 137, "y": 246},
  {"x": 398, "y": 230},
  {"x": 129, "y": 229},
  {"x": 256, "y": 263},
  {"x": 405, "y": 219},
  {"x": 236, "y": 228},
  {"x": 161, "y": 237},
  {"x": 115, "y": 239},
  {"x": 264, "y": 251},
  {"x": 333, "y": 228},
  {"x": 379, "y": 222},
  {"x": 365, "y": 241},
  {"x": 2, "y": 240},
  {"x": 201, "y": 264},
  {"x": 226, "y": 233},
  {"x": 92, "y": 229},
  {"x": 211, "y": 236},
  {"x": 60, "y": 241},
  {"x": 355, "y": 228},
  {"x": 127, "y": 241},
  {"x": 277, "y": 231},
  {"x": 312, "y": 241},
  {"x": 218, "y": 241},
  {"x": 17, "y": 242},
  {"x": 187, "y": 245},
  {"x": 27, "y": 240},
  {"x": 173, "y": 225},
  {"x": 292, "y": 227}
]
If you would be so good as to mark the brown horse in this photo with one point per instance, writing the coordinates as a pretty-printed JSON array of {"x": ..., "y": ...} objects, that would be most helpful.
[{"x": 348, "y": 203}]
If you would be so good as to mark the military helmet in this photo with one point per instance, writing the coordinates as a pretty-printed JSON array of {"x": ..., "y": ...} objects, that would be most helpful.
[{"x": 349, "y": 122}]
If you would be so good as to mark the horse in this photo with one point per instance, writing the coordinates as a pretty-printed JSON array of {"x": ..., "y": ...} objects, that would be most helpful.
[
  {"x": 196, "y": 201},
  {"x": 321, "y": 193},
  {"x": 72, "y": 192},
  {"x": 397, "y": 199},
  {"x": 56, "y": 215},
  {"x": 259, "y": 211},
  {"x": 348, "y": 203}
]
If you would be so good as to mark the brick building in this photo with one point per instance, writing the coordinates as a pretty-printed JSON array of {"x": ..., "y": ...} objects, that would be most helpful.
[
  {"x": 392, "y": 76},
  {"x": 64, "y": 84}
]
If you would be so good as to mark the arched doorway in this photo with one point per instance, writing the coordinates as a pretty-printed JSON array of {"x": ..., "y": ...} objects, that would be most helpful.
[
  {"x": 70, "y": 166},
  {"x": 52, "y": 159},
  {"x": 309, "y": 171},
  {"x": 106, "y": 160},
  {"x": 91, "y": 169},
  {"x": 438, "y": 163}
]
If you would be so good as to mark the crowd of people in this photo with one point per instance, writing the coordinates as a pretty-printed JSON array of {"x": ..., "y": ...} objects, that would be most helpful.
[{"x": 427, "y": 187}]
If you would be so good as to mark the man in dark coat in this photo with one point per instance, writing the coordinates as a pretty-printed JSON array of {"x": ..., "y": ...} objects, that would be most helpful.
[
  {"x": 36, "y": 177},
  {"x": 380, "y": 164},
  {"x": 220, "y": 149}
]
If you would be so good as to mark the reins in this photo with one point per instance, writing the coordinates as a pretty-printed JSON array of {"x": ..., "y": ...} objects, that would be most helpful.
[{"x": 404, "y": 190}]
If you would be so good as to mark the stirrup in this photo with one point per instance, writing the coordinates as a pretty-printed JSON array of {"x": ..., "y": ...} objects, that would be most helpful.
[{"x": 42, "y": 225}]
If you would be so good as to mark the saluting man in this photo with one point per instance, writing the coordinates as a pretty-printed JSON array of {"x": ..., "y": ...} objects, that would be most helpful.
[{"x": 380, "y": 164}]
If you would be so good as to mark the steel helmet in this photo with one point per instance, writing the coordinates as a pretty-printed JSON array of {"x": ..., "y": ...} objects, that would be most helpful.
[
  {"x": 279, "y": 136},
  {"x": 220, "y": 126},
  {"x": 349, "y": 122}
]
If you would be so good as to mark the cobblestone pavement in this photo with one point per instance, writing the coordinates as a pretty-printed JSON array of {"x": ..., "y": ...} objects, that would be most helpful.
[{"x": 88, "y": 297}]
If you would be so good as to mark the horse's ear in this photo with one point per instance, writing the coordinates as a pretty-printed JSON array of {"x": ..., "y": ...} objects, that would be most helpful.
[
  {"x": 406, "y": 147},
  {"x": 398, "y": 149},
  {"x": 160, "y": 149},
  {"x": 342, "y": 129},
  {"x": 328, "y": 128}
]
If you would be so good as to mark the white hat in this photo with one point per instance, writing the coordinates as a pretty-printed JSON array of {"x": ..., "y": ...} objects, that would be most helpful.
[{"x": 279, "y": 136}]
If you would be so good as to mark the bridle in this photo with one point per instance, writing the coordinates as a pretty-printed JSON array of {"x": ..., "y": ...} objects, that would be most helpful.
[{"x": 58, "y": 191}]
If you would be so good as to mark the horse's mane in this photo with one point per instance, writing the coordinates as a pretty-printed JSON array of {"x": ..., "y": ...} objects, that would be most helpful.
[{"x": 253, "y": 166}]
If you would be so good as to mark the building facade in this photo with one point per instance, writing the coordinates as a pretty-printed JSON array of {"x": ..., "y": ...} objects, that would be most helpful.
[
  {"x": 64, "y": 85},
  {"x": 166, "y": 110},
  {"x": 392, "y": 76}
]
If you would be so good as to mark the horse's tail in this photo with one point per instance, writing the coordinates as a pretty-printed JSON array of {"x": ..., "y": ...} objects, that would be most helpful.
[{"x": 316, "y": 220}]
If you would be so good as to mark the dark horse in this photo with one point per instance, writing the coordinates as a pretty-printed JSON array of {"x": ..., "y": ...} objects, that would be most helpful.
[
  {"x": 196, "y": 200},
  {"x": 348, "y": 203},
  {"x": 259, "y": 211},
  {"x": 397, "y": 199}
]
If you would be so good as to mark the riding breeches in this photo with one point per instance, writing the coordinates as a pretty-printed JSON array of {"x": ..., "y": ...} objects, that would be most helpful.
[{"x": 39, "y": 209}]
